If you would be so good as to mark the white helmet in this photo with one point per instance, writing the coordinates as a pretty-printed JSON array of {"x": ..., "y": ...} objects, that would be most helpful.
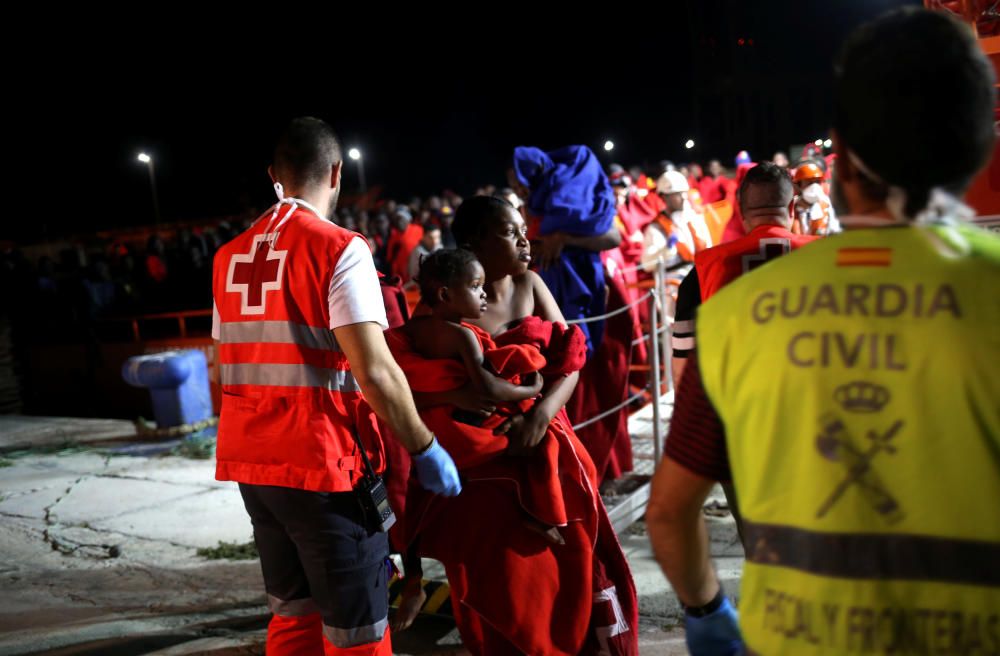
[{"x": 671, "y": 182}]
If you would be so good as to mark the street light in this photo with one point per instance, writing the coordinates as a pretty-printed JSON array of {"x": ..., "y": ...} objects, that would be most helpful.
[
  {"x": 689, "y": 144},
  {"x": 828, "y": 143},
  {"x": 148, "y": 161},
  {"x": 818, "y": 142},
  {"x": 609, "y": 145},
  {"x": 355, "y": 154}
]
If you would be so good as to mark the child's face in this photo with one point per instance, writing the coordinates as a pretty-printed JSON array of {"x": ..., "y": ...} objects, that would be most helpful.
[{"x": 468, "y": 298}]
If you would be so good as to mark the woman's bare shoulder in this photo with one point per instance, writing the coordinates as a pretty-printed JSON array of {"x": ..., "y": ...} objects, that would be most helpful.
[
  {"x": 529, "y": 278},
  {"x": 543, "y": 303},
  {"x": 528, "y": 283}
]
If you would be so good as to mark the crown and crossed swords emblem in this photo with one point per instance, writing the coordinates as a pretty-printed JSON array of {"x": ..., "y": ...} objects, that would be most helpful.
[{"x": 835, "y": 443}]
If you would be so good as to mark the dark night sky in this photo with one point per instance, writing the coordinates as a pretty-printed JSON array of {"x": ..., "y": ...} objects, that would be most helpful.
[{"x": 433, "y": 104}]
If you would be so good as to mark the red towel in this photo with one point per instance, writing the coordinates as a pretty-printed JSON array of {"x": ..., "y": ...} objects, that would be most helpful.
[{"x": 565, "y": 347}]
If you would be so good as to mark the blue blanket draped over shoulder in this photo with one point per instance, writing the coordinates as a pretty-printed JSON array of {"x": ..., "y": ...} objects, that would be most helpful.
[{"x": 570, "y": 193}]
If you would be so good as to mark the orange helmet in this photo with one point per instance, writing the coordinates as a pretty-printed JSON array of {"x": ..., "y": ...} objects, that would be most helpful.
[{"x": 808, "y": 171}]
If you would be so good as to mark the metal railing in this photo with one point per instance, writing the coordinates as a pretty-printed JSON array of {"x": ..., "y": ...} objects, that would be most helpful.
[{"x": 658, "y": 349}]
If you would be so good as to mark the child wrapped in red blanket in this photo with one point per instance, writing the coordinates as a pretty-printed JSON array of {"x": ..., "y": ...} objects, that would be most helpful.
[{"x": 532, "y": 561}]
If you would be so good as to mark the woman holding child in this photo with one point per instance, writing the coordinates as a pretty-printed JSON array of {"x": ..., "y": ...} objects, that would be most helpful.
[{"x": 532, "y": 561}]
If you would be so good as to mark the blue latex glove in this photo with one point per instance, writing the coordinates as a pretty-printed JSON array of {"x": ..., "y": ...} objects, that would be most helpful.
[
  {"x": 716, "y": 634},
  {"x": 436, "y": 471}
]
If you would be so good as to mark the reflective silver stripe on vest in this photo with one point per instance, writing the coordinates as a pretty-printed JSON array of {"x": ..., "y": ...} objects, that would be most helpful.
[
  {"x": 686, "y": 326},
  {"x": 288, "y": 375},
  {"x": 277, "y": 332},
  {"x": 682, "y": 343},
  {"x": 292, "y": 607},
  {"x": 363, "y": 635}
]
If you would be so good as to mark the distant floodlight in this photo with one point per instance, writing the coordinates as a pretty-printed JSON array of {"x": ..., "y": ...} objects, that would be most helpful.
[
  {"x": 689, "y": 144},
  {"x": 144, "y": 158},
  {"x": 354, "y": 154},
  {"x": 609, "y": 145}
]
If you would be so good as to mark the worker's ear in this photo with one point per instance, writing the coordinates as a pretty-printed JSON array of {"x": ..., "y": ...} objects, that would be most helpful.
[
  {"x": 335, "y": 175},
  {"x": 443, "y": 295}
]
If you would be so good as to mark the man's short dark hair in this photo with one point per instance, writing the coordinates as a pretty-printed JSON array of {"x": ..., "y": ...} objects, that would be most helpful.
[
  {"x": 766, "y": 185},
  {"x": 913, "y": 99},
  {"x": 305, "y": 153}
]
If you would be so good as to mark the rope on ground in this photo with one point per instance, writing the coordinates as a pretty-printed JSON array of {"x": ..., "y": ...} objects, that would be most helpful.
[
  {"x": 613, "y": 313},
  {"x": 144, "y": 429},
  {"x": 607, "y": 413}
]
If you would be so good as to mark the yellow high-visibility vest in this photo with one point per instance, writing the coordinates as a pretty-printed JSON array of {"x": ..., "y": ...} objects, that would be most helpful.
[{"x": 858, "y": 380}]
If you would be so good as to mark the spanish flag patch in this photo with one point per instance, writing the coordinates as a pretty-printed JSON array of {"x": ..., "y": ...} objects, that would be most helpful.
[{"x": 872, "y": 257}]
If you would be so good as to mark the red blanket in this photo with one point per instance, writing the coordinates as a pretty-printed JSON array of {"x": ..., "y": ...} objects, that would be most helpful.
[{"x": 512, "y": 590}]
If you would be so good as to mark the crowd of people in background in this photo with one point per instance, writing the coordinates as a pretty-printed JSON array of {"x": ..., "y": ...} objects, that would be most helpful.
[
  {"x": 147, "y": 271},
  {"x": 169, "y": 270}
]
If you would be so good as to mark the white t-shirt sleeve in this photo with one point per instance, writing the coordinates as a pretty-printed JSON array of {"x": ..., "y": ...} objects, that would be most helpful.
[
  {"x": 216, "y": 322},
  {"x": 355, "y": 293}
]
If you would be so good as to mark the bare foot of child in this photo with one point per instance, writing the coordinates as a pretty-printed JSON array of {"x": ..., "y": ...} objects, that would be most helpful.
[{"x": 410, "y": 603}]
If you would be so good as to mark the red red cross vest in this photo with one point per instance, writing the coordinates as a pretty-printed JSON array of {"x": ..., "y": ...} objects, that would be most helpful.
[
  {"x": 722, "y": 264},
  {"x": 290, "y": 405}
]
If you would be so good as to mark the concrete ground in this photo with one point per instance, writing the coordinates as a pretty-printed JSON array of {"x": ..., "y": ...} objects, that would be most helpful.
[{"x": 100, "y": 537}]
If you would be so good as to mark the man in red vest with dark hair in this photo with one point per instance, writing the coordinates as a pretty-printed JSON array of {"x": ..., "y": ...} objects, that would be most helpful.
[
  {"x": 765, "y": 197},
  {"x": 305, "y": 370}
]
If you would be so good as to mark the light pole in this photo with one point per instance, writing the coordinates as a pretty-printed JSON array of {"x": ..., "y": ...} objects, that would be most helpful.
[
  {"x": 148, "y": 161},
  {"x": 355, "y": 154}
]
